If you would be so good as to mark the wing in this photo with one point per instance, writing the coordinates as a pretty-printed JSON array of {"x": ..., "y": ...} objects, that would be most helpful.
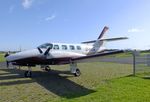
[{"x": 96, "y": 57}]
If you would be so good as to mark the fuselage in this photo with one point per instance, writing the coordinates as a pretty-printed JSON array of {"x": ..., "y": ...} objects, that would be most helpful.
[{"x": 59, "y": 53}]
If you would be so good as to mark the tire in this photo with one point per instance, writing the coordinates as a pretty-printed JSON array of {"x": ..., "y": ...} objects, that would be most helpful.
[
  {"x": 77, "y": 73},
  {"x": 47, "y": 68}
]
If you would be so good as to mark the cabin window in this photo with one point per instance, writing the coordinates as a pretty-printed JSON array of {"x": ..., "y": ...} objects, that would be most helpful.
[
  {"x": 78, "y": 47},
  {"x": 72, "y": 47},
  {"x": 56, "y": 47},
  {"x": 64, "y": 47}
]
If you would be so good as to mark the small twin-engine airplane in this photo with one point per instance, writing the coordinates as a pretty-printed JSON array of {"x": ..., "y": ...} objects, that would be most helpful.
[{"x": 62, "y": 53}]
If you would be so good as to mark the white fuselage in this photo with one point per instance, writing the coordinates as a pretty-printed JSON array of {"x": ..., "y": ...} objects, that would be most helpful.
[
  {"x": 60, "y": 53},
  {"x": 59, "y": 50}
]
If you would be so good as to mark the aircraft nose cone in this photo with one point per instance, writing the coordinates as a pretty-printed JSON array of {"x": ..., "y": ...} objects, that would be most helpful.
[
  {"x": 11, "y": 57},
  {"x": 22, "y": 55}
]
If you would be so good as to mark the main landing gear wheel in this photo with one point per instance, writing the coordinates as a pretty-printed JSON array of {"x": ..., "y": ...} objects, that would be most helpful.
[
  {"x": 28, "y": 74},
  {"x": 47, "y": 68},
  {"x": 77, "y": 73}
]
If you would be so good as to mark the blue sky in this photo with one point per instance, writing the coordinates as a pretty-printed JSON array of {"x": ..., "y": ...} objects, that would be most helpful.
[{"x": 29, "y": 23}]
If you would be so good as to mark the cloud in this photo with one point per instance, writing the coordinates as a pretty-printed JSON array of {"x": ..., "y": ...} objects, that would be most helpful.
[
  {"x": 50, "y": 18},
  {"x": 27, "y": 3},
  {"x": 135, "y": 30}
]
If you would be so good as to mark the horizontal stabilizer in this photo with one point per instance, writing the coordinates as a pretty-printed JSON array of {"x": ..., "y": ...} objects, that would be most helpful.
[
  {"x": 114, "y": 39},
  {"x": 109, "y": 39}
]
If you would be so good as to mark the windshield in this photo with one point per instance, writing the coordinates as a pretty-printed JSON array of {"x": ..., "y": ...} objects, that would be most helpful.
[{"x": 46, "y": 45}]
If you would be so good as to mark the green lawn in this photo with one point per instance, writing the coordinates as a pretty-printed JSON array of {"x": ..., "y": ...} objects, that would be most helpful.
[
  {"x": 127, "y": 89},
  {"x": 123, "y": 55},
  {"x": 2, "y": 59},
  {"x": 129, "y": 54},
  {"x": 93, "y": 85},
  {"x": 99, "y": 82}
]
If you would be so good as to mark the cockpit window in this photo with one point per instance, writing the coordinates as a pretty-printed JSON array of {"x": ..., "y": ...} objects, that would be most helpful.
[{"x": 46, "y": 45}]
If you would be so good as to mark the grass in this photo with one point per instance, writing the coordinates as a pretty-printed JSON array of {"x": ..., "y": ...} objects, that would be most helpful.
[
  {"x": 142, "y": 68},
  {"x": 129, "y": 54},
  {"x": 59, "y": 85},
  {"x": 145, "y": 52},
  {"x": 123, "y": 55},
  {"x": 2, "y": 59},
  {"x": 99, "y": 82},
  {"x": 127, "y": 89}
]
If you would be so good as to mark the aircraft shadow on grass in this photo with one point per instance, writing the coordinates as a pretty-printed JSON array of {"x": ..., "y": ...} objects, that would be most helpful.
[{"x": 52, "y": 81}]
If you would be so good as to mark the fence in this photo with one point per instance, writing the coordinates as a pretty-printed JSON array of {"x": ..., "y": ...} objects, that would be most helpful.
[{"x": 141, "y": 63}]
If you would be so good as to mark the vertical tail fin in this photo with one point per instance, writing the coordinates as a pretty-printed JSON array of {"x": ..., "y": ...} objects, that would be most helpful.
[
  {"x": 99, "y": 45},
  {"x": 101, "y": 36},
  {"x": 103, "y": 32}
]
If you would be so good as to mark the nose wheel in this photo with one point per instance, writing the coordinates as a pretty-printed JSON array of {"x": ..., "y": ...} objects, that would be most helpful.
[{"x": 47, "y": 68}]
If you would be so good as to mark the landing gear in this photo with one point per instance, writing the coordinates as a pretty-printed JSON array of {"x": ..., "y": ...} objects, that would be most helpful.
[
  {"x": 46, "y": 68},
  {"x": 28, "y": 73},
  {"x": 77, "y": 72},
  {"x": 7, "y": 64},
  {"x": 74, "y": 69}
]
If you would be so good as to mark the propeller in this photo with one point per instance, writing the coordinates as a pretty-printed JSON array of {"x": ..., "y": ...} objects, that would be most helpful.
[
  {"x": 44, "y": 53},
  {"x": 6, "y": 55},
  {"x": 40, "y": 50},
  {"x": 47, "y": 51}
]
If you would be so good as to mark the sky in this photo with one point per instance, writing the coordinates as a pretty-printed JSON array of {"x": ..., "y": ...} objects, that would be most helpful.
[{"x": 29, "y": 23}]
